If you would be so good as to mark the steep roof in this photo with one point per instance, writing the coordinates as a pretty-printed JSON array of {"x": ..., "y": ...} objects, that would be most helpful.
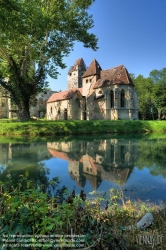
[
  {"x": 93, "y": 69},
  {"x": 116, "y": 75},
  {"x": 59, "y": 154},
  {"x": 79, "y": 62},
  {"x": 67, "y": 94}
]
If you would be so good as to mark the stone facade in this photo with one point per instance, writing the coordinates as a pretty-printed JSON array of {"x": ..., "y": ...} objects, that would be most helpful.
[
  {"x": 4, "y": 104},
  {"x": 8, "y": 110},
  {"x": 39, "y": 110},
  {"x": 75, "y": 74},
  {"x": 104, "y": 95},
  {"x": 65, "y": 105}
]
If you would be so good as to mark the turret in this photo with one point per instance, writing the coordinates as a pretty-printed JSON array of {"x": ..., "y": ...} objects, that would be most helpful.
[{"x": 75, "y": 74}]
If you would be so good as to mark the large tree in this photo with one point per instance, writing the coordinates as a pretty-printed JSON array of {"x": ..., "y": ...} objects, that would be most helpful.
[
  {"x": 144, "y": 87},
  {"x": 40, "y": 33},
  {"x": 159, "y": 90}
]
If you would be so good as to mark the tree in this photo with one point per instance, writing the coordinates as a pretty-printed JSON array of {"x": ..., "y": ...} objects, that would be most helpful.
[
  {"x": 159, "y": 90},
  {"x": 144, "y": 88},
  {"x": 40, "y": 33}
]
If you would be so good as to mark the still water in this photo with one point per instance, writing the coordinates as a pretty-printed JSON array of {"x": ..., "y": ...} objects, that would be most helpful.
[{"x": 137, "y": 166}]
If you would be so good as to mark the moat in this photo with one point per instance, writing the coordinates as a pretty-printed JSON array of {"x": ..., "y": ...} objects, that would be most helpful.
[{"x": 137, "y": 166}]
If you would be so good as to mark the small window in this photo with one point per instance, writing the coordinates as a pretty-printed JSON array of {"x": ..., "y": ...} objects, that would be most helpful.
[
  {"x": 86, "y": 80},
  {"x": 51, "y": 110},
  {"x": 70, "y": 74},
  {"x": 59, "y": 111},
  {"x": 90, "y": 80},
  {"x": 100, "y": 92}
]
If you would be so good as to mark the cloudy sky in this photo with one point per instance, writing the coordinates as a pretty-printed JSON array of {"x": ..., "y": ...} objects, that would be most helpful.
[{"x": 130, "y": 32}]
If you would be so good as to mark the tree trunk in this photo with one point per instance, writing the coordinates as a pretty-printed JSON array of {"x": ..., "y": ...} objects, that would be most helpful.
[
  {"x": 23, "y": 112},
  {"x": 159, "y": 114}
]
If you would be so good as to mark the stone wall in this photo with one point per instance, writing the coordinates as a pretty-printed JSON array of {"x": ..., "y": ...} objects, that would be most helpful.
[
  {"x": 58, "y": 110},
  {"x": 71, "y": 109},
  {"x": 40, "y": 109},
  {"x": 4, "y": 107},
  {"x": 100, "y": 106},
  {"x": 74, "y": 78}
]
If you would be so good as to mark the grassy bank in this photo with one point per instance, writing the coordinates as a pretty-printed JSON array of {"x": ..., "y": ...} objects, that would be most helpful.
[
  {"x": 52, "y": 128},
  {"x": 101, "y": 222}
]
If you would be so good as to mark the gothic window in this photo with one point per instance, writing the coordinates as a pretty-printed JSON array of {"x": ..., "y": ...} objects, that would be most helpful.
[
  {"x": 112, "y": 98},
  {"x": 122, "y": 98}
]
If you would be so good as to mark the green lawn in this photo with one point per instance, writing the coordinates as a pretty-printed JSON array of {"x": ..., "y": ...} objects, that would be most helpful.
[{"x": 51, "y": 128}]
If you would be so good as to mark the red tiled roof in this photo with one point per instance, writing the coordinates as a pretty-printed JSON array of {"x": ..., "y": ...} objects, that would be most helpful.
[
  {"x": 93, "y": 69},
  {"x": 116, "y": 75},
  {"x": 79, "y": 62},
  {"x": 67, "y": 94},
  {"x": 61, "y": 155}
]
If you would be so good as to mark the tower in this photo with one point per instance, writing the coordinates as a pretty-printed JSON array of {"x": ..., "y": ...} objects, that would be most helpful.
[
  {"x": 91, "y": 75},
  {"x": 75, "y": 73}
]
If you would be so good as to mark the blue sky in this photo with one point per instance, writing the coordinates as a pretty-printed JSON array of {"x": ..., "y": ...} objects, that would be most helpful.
[{"x": 130, "y": 32}]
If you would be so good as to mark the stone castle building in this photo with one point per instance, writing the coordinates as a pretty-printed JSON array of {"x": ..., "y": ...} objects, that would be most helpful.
[
  {"x": 8, "y": 110},
  {"x": 4, "y": 104},
  {"x": 95, "y": 94}
]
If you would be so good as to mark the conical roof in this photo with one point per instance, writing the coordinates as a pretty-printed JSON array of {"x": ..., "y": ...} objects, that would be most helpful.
[
  {"x": 79, "y": 62},
  {"x": 93, "y": 69}
]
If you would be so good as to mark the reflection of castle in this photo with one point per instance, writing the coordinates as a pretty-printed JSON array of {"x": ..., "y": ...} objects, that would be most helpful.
[{"x": 111, "y": 160}]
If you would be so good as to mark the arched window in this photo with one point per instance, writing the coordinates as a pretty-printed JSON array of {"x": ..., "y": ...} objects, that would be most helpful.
[
  {"x": 112, "y": 98},
  {"x": 122, "y": 98}
]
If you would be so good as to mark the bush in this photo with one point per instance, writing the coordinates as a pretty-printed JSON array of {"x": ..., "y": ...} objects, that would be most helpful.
[{"x": 33, "y": 217}]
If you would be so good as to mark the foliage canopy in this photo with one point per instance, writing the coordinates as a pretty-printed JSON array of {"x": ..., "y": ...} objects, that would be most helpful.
[{"x": 39, "y": 33}]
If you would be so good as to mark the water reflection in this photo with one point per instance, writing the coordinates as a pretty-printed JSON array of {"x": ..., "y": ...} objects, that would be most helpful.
[
  {"x": 100, "y": 164},
  {"x": 20, "y": 159},
  {"x": 111, "y": 160}
]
